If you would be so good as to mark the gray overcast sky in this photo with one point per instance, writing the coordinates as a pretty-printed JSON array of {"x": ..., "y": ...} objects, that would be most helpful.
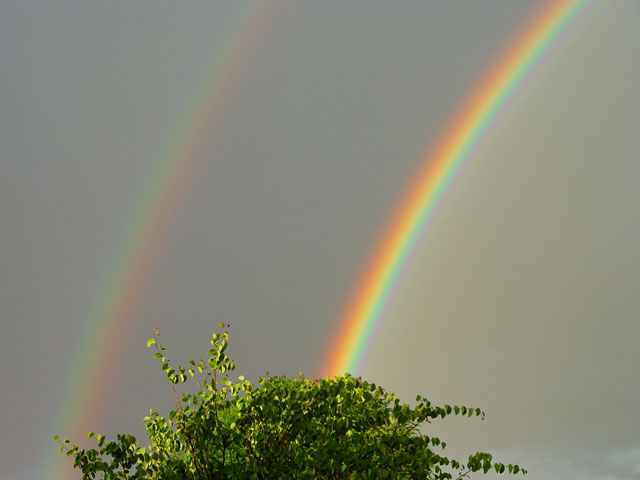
[{"x": 521, "y": 298}]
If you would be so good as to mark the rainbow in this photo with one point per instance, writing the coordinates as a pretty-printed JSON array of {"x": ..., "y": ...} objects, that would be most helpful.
[
  {"x": 440, "y": 166},
  {"x": 98, "y": 360}
]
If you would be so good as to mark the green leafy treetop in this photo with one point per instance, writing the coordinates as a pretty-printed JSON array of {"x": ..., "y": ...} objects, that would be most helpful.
[{"x": 281, "y": 428}]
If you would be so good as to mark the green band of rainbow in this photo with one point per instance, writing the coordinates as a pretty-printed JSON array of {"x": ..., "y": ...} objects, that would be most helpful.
[{"x": 364, "y": 311}]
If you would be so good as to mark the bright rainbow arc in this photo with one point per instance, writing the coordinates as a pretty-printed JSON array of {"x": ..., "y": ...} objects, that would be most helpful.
[
  {"x": 364, "y": 312},
  {"x": 96, "y": 367}
]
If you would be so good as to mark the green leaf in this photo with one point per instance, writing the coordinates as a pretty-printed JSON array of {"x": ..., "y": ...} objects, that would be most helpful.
[{"x": 150, "y": 342}]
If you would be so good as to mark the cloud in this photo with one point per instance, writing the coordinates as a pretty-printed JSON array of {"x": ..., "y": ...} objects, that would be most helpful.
[{"x": 621, "y": 464}]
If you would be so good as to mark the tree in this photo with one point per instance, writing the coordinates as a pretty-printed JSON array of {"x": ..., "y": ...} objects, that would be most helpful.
[{"x": 281, "y": 428}]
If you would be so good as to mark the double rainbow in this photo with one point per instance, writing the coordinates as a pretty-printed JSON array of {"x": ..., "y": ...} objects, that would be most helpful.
[{"x": 131, "y": 269}]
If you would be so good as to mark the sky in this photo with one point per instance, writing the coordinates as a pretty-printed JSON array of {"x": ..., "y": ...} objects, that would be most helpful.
[{"x": 520, "y": 296}]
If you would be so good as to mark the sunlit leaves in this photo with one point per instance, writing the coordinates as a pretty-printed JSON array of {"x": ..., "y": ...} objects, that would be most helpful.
[{"x": 340, "y": 428}]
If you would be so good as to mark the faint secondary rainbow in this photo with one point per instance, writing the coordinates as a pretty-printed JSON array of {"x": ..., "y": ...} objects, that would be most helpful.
[
  {"x": 99, "y": 358},
  {"x": 364, "y": 310}
]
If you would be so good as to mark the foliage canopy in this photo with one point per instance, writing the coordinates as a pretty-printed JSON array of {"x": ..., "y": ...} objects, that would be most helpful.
[{"x": 293, "y": 428}]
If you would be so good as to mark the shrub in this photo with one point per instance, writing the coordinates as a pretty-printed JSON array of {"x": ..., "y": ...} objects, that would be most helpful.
[{"x": 281, "y": 428}]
